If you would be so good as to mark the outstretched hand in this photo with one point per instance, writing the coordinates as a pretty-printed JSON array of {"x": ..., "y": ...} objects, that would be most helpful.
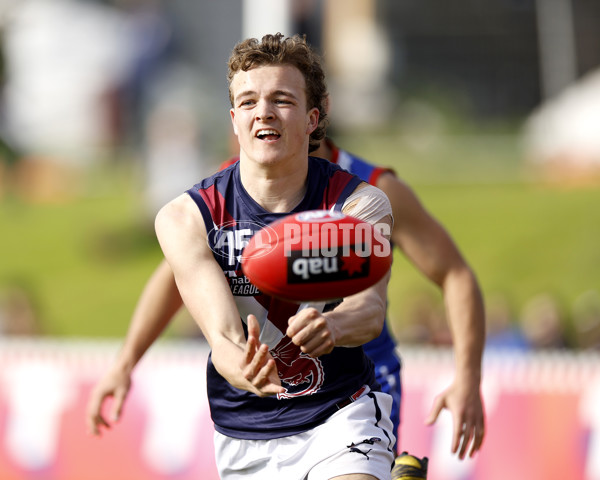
[
  {"x": 468, "y": 417},
  {"x": 115, "y": 384},
  {"x": 258, "y": 366}
]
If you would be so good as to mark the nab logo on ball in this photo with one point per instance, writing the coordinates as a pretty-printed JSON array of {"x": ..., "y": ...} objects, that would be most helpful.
[{"x": 326, "y": 269}]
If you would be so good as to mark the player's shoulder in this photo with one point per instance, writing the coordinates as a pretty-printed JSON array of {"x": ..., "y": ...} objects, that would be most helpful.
[
  {"x": 181, "y": 210},
  {"x": 175, "y": 219}
]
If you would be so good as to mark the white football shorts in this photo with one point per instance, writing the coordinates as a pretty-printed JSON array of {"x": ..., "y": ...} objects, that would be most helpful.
[{"x": 358, "y": 438}]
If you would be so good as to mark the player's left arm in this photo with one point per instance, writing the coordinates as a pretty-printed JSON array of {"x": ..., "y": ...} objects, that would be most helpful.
[
  {"x": 431, "y": 249},
  {"x": 360, "y": 317}
]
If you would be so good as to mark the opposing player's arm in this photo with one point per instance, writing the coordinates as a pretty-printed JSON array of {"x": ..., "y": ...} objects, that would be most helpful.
[
  {"x": 429, "y": 247},
  {"x": 158, "y": 302},
  {"x": 182, "y": 236}
]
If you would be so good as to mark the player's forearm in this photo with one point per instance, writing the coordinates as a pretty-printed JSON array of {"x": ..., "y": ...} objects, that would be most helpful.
[
  {"x": 219, "y": 320},
  {"x": 156, "y": 307},
  {"x": 465, "y": 311},
  {"x": 141, "y": 335},
  {"x": 228, "y": 358},
  {"x": 360, "y": 318}
]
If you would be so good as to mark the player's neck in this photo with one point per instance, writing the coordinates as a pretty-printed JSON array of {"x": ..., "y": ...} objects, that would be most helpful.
[
  {"x": 276, "y": 188},
  {"x": 324, "y": 151}
]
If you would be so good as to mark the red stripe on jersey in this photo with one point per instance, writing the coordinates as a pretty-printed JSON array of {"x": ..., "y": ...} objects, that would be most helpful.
[
  {"x": 337, "y": 183},
  {"x": 216, "y": 204}
]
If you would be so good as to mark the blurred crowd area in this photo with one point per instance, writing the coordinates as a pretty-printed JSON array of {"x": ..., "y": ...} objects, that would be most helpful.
[
  {"x": 107, "y": 85},
  {"x": 542, "y": 323},
  {"x": 88, "y": 82}
]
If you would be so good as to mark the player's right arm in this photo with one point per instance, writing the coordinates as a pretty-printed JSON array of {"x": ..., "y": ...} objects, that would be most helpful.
[{"x": 183, "y": 238}]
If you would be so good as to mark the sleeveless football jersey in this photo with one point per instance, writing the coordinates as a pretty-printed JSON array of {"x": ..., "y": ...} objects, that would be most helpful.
[{"x": 315, "y": 387}]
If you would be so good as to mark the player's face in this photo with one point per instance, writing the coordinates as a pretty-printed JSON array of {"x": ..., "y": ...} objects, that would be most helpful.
[{"x": 270, "y": 116}]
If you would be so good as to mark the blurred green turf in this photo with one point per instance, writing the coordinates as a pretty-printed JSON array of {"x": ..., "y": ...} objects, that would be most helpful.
[
  {"x": 82, "y": 263},
  {"x": 85, "y": 262}
]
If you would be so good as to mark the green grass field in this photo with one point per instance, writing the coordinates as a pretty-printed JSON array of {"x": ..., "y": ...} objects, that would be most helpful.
[{"x": 83, "y": 262}]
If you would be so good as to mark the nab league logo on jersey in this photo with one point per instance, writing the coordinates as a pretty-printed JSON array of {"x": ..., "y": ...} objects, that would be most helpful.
[{"x": 228, "y": 240}]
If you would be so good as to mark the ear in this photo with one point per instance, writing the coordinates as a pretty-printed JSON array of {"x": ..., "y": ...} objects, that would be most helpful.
[
  {"x": 232, "y": 115},
  {"x": 313, "y": 120}
]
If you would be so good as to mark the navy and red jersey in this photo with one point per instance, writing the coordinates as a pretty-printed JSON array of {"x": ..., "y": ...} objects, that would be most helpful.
[
  {"x": 314, "y": 386},
  {"x": 380, "y": 348}
]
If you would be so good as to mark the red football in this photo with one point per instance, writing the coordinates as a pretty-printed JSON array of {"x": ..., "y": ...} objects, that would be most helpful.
[{"x": 316, "y": 255}]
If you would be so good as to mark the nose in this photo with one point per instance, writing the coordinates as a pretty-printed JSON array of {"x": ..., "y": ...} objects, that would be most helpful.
[{"x": 264, "y": 111}]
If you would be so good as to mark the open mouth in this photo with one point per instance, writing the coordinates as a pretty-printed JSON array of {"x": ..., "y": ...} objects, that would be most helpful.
[{"x": 268, "y": 135}]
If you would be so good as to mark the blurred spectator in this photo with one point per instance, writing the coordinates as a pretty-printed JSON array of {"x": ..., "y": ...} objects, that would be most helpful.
[
  {"x": 62, "y": 56},
  {"x": 17, "y": 315},
  {"x": 8, "y": 163},
  {"x": 425, "y": 322},
  {"x": 172, "y": 153},
  {"x": 586, "y": 320},
  {"x": 359, "y": 58},
  {"x": 542, "y": 323},
  {"x": 8, "y": 156},
  {"x": 62, "y": 60},
  {"x": 503, "y": 330},
  {"x": 151, "y": 42},
  {"x": 160, "y": 102}
]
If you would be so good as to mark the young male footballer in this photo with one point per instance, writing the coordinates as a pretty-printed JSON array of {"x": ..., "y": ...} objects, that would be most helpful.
[{"x": 284, "y": 379}]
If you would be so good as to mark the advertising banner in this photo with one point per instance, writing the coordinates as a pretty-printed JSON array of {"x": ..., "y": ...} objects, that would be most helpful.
[{"x": 543, "y": 414}]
